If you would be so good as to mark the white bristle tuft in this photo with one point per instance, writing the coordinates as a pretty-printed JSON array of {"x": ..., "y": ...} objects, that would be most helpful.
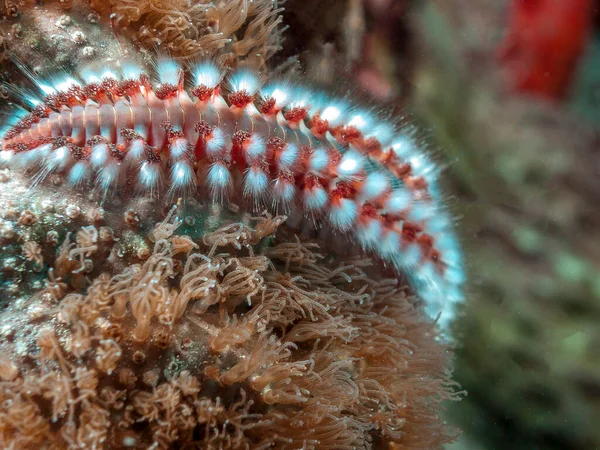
[
  {"x": 219, "y": 181},
  {"x": 91, "y": 74},
  {"x": 47, "y": 89},
  {"x": 6, "y": 156},
  {"x": 182, "y": 177},
  {"x": 318, "y": 161},
  {"x": 168, "y": 71},
  {"x": 99, "y": 156},
  {"x": 256, "y": 183},
  {"x": 440, "y": 224},
  {"x": 149, "y": 176},
  {"x": 108, "y": 177},
  {"x": 255, "y": 148},
  {"x": 422, "y": 166},
  {"x": 79, "y": 173},
  {"x": 404, "y": 147},
  {"x": 369, "y": 233},
  {"x": 207, "y": 74},
  {"x": 281, "y": 93},
  {"x": 178, "y": 149},
  {"x": 375, "y": 185},
  {"x": 135, "y": 152},
  {"x": 343, "y": 214},
  {"x": 67, "y": 83},
  {"x": 454, "y": 275},
  {"x": 427, "y": 274},
  {"x": 333, "y": 114},
  {"x": 361, "y": 121},
  {"x": 244, "y": 80},
  {"x": 398, "y": 201},
  {"x": 350, "y": 166},
  {"x": 288, "y": 157},
  {"x": 301, "y": 98},
  {"x": 59, "y": 159},
  {"x": 109, "y": 75},
  {"x": 215, "y": 143},
  {"x": 315, "y": 199},
  {"x": 389, "y": 244},
  {"x": 32, "y": 158},
  {"x": 420, "y": 212},
  {"x": 283, "y": 192},
  {"x": 409, "y": 257},
  {"x": 131, "y": 70},
  {"x": 383, "y": 132}
]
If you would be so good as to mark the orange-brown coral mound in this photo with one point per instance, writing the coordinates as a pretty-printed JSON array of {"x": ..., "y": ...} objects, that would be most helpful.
[
  {"x": 215, "y": 344},
  {"x": 232, "y": 29}
]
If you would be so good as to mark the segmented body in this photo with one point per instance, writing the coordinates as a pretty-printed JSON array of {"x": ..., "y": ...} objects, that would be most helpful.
[{"x": 280, "y": 147}]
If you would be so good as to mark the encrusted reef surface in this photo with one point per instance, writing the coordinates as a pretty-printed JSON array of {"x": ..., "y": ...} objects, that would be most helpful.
[{"x": 214, "y": 342}]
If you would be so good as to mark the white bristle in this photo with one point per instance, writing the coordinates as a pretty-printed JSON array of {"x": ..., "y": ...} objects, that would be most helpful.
[
  {"x": 178, "y": 149},
  {"x": 300, "y": 98},
  {"x": 182, "y": 176},
  {"x": 375, "y": 185},
  {"x": 422, "y": 166},
  {"x": 361, "y": 121},
  {"x": 454, "y": 275},
  {"x": 318, "y": 161},
  {"x": 350, "y": 165},
  {"x": 207, "y": 74},
  {"x": 333, "y": 115},
  {"x": 47, "y": 89},
  {"x": 6, "y": 156},
  {"x": 369, "y": 233},
  {"x": 135, "y": 152},
  {"x": 67, "y": 83},
  {"x": 255, "y": 148},
  {"x": 32, "y": 158},
  {"x": 244, "y": 80},
  {"x": 283, "y": 192},
  {"x": 215, "y": 143},
  {"x": 32, "y": 101},
  {"x": 219, "y": 181},
  {"x": 404, "y": 147},
  {"x": 398, "y": 201},
  {"x": 99, "y": 155},
  {"x": 315, "y": 199},
  {"x": 427, "y": 274},
  {"x": 383, "y": 132},
  {"x": 343, "y": 214},
  {"x": 168, "y": 71},
  {"x": 131, "y": 70},
  {"x": 409, "y": 257},
  {"x": 108, "y": 177},
  {"x": 79, "y": 173},
  {"x": 288, "y": 157},
  {"x": 109, "y": 75},
  {"x": 59, "y": 159},
  {"x": 439, "y": 224},
  {"x": 40, "y": 153},
  {"x": 256, "y": 183},
  {"x": 149, "y": 176},
  {"x": 91, "y": 75},
  {"x": 280, "y": 93},
  {"x": 420, "y": 212},
  {"x": 389, "y": 244}
]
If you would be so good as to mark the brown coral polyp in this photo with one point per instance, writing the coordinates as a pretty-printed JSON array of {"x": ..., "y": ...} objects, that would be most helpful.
[{"x": 235, "y": 350}]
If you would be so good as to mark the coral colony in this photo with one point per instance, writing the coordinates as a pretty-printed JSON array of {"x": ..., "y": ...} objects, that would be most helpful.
[{"x": 194, "y": 260}]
